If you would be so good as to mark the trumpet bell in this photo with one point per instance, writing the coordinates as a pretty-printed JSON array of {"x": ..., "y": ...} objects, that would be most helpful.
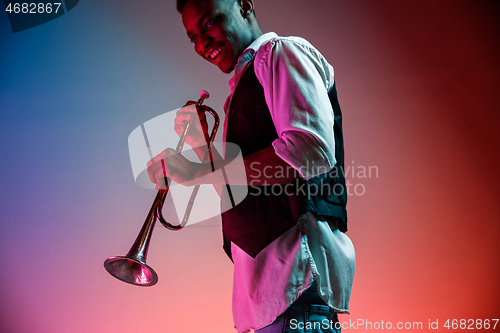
[{"x": 131, "y": 271}]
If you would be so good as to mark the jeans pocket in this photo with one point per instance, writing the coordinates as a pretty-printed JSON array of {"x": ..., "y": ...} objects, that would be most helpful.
[{"x": 319, "y": 319}]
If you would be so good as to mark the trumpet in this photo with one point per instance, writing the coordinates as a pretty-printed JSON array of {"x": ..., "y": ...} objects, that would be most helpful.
[{"x": 132, "y": 267}]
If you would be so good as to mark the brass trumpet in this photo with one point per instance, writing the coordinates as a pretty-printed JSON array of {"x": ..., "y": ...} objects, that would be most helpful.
[{"x": 132, "y": 267}]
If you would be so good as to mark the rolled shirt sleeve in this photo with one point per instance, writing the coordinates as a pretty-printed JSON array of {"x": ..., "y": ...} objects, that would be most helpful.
[{"x": 296, "y": 79}]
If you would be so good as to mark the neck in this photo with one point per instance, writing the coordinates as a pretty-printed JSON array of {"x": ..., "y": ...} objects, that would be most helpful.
[{"x": 255, "y": 29}]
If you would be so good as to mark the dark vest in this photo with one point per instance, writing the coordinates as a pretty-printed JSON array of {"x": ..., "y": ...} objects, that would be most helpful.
[{"x": 266, "y": 213}]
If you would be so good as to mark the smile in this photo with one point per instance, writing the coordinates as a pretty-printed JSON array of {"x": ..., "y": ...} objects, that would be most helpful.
[{"x": 215, "y": 52}]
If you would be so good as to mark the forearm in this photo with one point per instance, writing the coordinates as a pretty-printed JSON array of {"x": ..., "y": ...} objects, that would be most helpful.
[
  {"x": 201, "y": 151},
  {"x": 206, "y": 168}
]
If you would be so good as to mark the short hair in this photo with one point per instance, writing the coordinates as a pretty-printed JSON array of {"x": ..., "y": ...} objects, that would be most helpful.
[{"x": 181, "y": 4}]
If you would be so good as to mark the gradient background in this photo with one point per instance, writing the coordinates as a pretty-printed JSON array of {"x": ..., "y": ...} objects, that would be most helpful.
[{"x": 418, "y": 82}]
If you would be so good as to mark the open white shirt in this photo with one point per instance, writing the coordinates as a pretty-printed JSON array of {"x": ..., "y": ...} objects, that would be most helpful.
[{"x": 296, "y": 80}]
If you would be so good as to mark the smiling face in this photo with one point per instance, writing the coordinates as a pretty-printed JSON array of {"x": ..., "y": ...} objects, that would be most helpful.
[{"x": 220, "y": 29}]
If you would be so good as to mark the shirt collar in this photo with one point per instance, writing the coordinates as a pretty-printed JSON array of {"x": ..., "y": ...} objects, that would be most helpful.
[
  {"x": 246, "y": 56},
  {"x": 261, "y": 40},
  {"x": 249, "y": 52}
]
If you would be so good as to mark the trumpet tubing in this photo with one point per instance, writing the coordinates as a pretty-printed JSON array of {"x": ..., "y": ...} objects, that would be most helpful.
[{"x": 132, "y": 267}]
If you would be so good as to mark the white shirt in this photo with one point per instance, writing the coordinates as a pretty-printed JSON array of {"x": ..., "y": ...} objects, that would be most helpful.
[{"x": 296, "y": 80}]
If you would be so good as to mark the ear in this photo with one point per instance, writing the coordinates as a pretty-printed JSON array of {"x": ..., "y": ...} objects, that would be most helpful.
[{"x": 246, "y": 8}]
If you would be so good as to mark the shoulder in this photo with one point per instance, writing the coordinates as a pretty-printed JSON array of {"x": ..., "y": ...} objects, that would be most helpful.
[
  {"x": 288, "y": 40},
  {"x": 291, "y": 53},
  {"x": 287, "y": 45}
]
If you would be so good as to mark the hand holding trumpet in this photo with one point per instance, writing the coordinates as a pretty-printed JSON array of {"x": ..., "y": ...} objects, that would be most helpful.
[
  {"x": 173, "y": 165},
  {"x": 194, "y": 113},
  {"x": 192, "y": 128}
]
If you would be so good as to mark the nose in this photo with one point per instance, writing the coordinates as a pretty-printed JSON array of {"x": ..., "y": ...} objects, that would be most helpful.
[{"x": 202, "y": 43}]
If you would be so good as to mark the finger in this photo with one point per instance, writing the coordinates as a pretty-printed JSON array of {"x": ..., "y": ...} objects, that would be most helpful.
[
  {"x": 195, "y": 108},
  {"x": 154, "y": 160},
  {"x": 189, "y": 103},
  {"x": 183, "y": 123},
  {"x": 191, "y": 108},
  {"x": 152, "y": 169},
  {"x": 169, "y": 151},
  {"x": 184, "y": 116},
  {"x": 150, "y": 163},
  {"x": 151, "y": 175},
  {"x": 153, "y": 163},
  {"x": 178, "y": 129},
  {"x": 160, "y": 179}
]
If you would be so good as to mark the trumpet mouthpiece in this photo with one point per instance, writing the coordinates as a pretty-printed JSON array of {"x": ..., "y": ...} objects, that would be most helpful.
[{"x": 204, "y": 95}]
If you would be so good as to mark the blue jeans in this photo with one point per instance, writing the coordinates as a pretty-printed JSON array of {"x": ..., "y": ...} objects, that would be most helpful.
[{"x": 308, "y": 314}]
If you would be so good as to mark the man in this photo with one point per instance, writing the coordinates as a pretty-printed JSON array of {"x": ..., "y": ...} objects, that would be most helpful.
[{"x": 293, "y": 265}]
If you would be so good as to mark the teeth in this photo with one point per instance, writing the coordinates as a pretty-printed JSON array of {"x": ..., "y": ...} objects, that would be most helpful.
[{"x": 215, "y": 52}]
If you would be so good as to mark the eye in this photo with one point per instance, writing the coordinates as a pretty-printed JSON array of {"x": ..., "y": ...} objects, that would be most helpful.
[
  {"x": 210, "y": 23},
  {"x": 193, "y": 39}
]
